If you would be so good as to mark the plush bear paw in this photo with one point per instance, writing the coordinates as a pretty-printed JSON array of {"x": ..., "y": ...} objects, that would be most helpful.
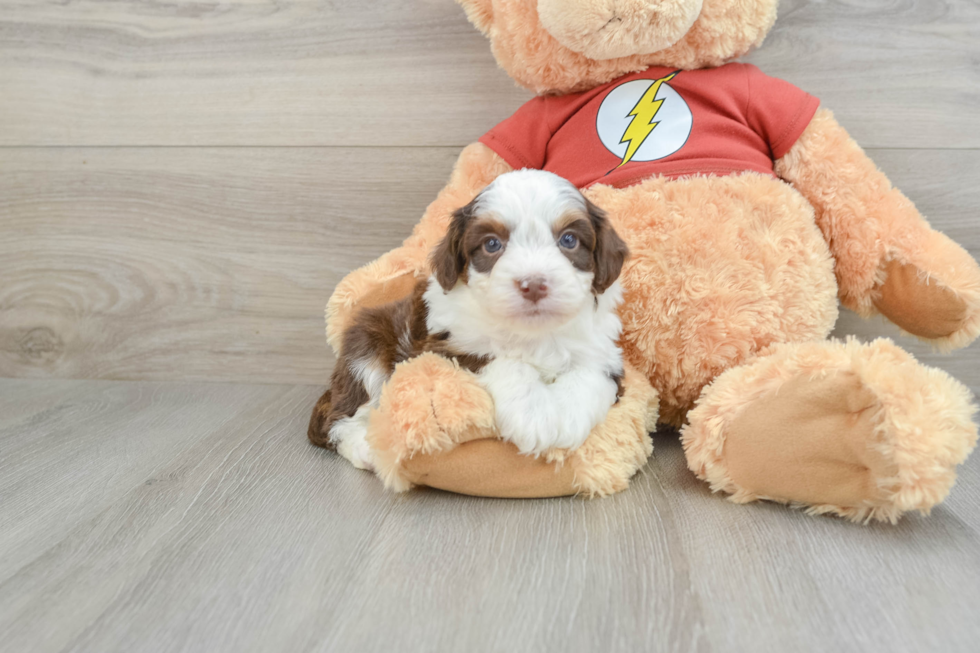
[
  {"x": 933, "y": 293},
  {"x": 429, "y": 406},
  {"x": 859, "y": 430}
]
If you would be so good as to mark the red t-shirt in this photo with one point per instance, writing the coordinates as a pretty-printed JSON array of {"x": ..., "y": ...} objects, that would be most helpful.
[{"x": 658, "y": 122}]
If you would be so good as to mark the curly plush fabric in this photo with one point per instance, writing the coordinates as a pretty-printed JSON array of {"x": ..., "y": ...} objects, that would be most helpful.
[
  {"x": 730, "y": 293},
  {"x": 725, "y": 30},
  {"x": 869, "y": 224},
  {"x": 722, "y": 267},
  {"x": 701, "y": 294},
  {"x": 434, "y": 427},
  {"x": 920, "y": 423}
]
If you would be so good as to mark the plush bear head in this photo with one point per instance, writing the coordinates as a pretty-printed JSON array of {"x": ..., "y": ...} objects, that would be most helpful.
[{"x": 562, "y": 46}]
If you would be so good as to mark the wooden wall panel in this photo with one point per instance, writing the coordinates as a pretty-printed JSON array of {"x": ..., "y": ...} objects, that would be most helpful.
[
  {"x": 403, "y": 72},
  {"x": 215, "y": 264},
  {"x": 184, "y": 264}
]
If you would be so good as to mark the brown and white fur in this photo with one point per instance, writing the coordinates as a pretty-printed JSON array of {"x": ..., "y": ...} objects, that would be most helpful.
[{"x": 523, "y": 293}]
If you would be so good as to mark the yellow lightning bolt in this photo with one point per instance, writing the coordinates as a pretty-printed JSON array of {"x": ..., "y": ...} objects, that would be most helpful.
[{"x": 643, "y": 114}]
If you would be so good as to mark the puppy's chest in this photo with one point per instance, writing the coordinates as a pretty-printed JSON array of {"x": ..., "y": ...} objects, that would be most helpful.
[
  {"x": 550, "y": 361},
  {"x": 552, "y": 355},
  {"x": 549, "y": 357}
]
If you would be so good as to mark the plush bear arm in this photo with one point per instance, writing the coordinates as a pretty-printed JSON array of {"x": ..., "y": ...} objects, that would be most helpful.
[
  {"x": 393, "y": 275},
  {"x": 887, "y": 257},
  {"x": 434, "y": 426}
]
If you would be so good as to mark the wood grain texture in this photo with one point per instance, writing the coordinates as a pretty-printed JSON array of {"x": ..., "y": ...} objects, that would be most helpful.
[
  {"x": 209, "y": 524},
  {"x": 210, "y": 264},
  {"x": 143, "y": 516},
  {"x": 245, "y": 72},
  {"x": 111, "y": 436},
  {"x": 899, "y": 73},
  {"x": 215, "y": 263},
  {"x": 896, "y": 73}
]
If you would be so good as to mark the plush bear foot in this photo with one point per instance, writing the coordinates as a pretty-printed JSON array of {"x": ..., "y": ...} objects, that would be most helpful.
[
  {"x": 859, "y": 430},
  {"x": 435, "y": 427},
  {"x": 933, "y": 293}
]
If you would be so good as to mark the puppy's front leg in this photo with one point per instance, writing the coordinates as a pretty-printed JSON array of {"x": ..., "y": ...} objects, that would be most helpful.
[
  {"x": 584, "y": 397},
  {"x": 526, "y": 411}
]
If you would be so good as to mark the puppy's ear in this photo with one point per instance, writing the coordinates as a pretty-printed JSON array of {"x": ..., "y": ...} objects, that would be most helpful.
[
  {"x": 448, "y": 260},
  {"x": 610, "y": 251}
]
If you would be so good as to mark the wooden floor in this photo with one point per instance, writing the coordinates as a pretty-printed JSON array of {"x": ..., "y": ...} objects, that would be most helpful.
[
  {"x": 144, "y": 516},
  {"x": 182, "y": 183}
]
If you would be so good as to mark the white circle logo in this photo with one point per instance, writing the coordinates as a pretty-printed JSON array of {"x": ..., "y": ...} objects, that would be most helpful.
[{"x": 644, "y": 120}]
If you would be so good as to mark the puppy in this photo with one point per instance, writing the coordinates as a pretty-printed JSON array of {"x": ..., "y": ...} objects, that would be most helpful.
[{"x": 524, "y": 294}]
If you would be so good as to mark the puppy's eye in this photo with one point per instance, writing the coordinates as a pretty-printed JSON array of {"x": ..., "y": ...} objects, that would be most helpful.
[
  {"x": 568, "y": 241},
  {"x": 492, "y": 246}
]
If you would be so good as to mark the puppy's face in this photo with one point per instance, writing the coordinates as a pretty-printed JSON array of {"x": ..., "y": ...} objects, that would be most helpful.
[{"x": 531, "y": 249}]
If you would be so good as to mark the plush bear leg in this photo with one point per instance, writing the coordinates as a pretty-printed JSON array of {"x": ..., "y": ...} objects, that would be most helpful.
[
  {"x": 887, "y": 256},
  {"x": 434, "y": 427},
  {"x": 859, "y": 430}
]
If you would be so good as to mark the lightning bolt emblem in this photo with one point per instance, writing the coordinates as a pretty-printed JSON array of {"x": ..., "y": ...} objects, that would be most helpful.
[{"x": 643, "y": 114}]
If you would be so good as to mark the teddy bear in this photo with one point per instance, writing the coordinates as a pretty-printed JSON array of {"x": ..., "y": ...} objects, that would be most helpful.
[{"x": 749, "y": 214}]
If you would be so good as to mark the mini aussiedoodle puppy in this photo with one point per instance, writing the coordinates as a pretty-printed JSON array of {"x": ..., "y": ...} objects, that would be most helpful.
[{"x": 524, "y": 294}]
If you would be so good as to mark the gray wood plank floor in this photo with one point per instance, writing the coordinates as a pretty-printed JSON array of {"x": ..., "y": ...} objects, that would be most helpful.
[
  {"x": 181, "y": 186},
  {"x": 142, "y": 516}
]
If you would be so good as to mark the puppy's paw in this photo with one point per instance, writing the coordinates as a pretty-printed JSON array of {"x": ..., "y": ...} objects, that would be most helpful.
[
  {"x": 358, "y": 453},
  {"x": 579, "y": 413},
  {"x": 573, "y": 434},
  {"x": 350, "y": 434},
  {"x": 533, "y": 434}
]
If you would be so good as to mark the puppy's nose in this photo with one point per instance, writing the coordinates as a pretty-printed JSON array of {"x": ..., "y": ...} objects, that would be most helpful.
[{"x": 533, "y": 289}]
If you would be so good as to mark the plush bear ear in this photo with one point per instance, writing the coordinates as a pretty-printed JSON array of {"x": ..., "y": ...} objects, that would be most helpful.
[{"x": 480, "y": 13}]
